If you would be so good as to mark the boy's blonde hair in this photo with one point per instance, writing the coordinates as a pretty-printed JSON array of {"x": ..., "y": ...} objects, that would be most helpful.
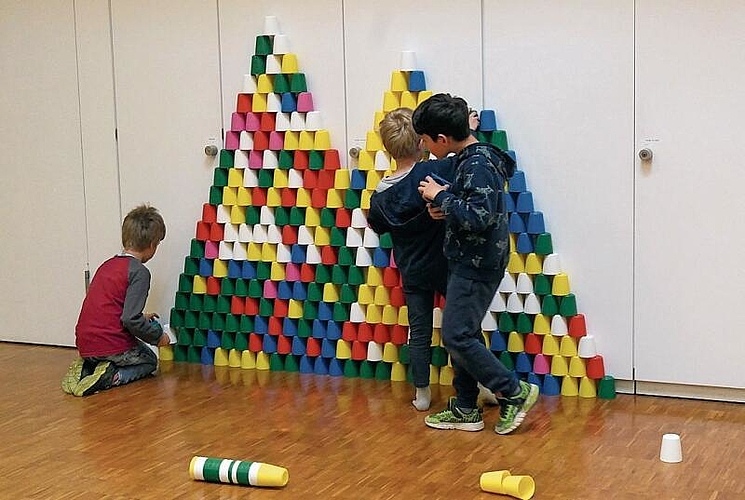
[
  {"x": 397, "y": 132},
  {"x": 143, "y": 226}
]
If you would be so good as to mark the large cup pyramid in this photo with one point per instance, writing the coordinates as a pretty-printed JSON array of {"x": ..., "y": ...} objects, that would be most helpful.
[{"x": 284, "y": 274}]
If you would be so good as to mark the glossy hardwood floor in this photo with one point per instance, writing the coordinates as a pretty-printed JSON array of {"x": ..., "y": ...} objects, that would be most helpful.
[{"x": 340, "y": 438}]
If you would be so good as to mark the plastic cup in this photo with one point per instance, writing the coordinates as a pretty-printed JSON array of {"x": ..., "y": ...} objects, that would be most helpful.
[
  {"x": 492, "y": 481},
  {"x": 271, "y": 25},
  {"x": 408, "y": 60},
  {"x": 313, "y": 121},
  {"x": 587, "y": 347},
  {"x": 551, "y": 265},
  {"x": 522, "y": 487},
  {"x": 671, "y": 451},
  {"x": 281, "y": 44},
  {"x": 171, "y": 334}
]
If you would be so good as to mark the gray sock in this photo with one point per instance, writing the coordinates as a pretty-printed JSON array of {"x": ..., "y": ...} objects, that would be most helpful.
[{"x": 517, "y": 393}]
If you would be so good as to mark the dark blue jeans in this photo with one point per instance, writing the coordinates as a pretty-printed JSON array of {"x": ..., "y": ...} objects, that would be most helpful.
[
  {"x": 467, "y": 302},
  {"x": 134, "y": 364},
  {"x": 420, "y": 301}
]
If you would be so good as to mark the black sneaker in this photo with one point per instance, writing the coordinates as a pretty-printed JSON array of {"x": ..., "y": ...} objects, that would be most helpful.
[{"x": 101, "y": 379}]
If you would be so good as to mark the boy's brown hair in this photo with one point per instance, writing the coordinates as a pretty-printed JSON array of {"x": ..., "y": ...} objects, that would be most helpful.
[
  {"x": 398, "y": 135},
  {"x": 142, "y": 227}
]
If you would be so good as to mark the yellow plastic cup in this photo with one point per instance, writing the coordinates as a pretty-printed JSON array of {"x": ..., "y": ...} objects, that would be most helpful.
[
  {"x": 491, "y": 482},
  {"x": 522, "y": 487},
  {"x": 272, "y": 475},
  {"x": 165, "y": 353}
]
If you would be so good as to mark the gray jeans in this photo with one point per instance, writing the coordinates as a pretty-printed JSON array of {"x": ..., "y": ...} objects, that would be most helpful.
[{"x": 134, "y": 364}]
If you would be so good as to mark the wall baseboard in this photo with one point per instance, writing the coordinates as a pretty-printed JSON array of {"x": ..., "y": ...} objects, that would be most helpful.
[
  {"x": 624, "y": 386},
  {"x": 704, "y": 392}
]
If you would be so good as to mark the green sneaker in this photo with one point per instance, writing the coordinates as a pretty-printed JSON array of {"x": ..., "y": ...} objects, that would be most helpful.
[
  {"x": 452, "y": 418},
  {"x": 73, "y": 376},
  {"x": 513, "y": 410},
  {"x": 101, "y": 379}
]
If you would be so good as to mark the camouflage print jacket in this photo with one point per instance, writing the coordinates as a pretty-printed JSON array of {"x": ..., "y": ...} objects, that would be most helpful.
[{"x": 476, "y": 235}]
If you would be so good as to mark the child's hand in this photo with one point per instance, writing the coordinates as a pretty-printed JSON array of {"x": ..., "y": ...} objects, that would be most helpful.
[
  {"x": 473, "y": 120},
  {"x": 151, "y": 316},
  {"x": 429, "y": 188},
  {"x": 435, "y": 212},
  {"x": 164, "y": 340}
]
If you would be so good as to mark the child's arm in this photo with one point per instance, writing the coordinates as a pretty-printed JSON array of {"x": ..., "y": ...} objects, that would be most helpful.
[
  {"x": 133, "y": 319},
  {"x": 164, "y": 340},
  {"x": 429, "y": 188},
  {"x": 375, "y": 218},
  {"x": 473, "y": 120},
  {"x": 477, "y": 205}
]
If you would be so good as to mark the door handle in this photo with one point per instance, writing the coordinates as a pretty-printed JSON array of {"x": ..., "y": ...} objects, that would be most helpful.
[{"x": 645, "y": 154}]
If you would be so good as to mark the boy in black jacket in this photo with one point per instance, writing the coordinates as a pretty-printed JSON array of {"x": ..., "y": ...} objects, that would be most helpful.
[
  {"x": 397, "y": 207},
  {"x": 477, "y": 249}
]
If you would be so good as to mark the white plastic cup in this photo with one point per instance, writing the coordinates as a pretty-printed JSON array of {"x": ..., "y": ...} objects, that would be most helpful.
[
  {"x": 281, "y": 44},
  {"x": 408, "y": 60},
  {"x": 171, "y": 334},
  {"x": 313, "y": 120},
  {"x": 297, "y": 121},
  {"x": 551, "y": 264},
  {"x": 524, "y": 284},
  {"x": 271, "y": 25},
  {"x": 359, "y": 221},
  {"x": 532, "y": 304},
  {"x": 587, "y": 347},
  {"x": 507, "y": 285},
  {"x": 249, "y": 84},
  {"x": 671, "y": 451},
  {"x": 515, "y": 303},
  {"x": 497, "y": 303}
]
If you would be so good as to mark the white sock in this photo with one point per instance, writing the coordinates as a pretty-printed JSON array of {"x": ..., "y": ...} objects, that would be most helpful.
[
  {"x": 487, "y": 396},
  {"x": 422, "y": 399}
]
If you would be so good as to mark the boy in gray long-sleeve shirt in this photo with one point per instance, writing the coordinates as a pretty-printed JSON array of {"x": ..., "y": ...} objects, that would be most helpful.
[{"x": 112, "y": 330}]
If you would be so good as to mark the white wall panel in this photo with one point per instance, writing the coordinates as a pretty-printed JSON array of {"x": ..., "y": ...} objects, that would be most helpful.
[
  {"x": 444, "y": 35},
  {"x": 315, "y": 34},
  {"x": 42, "y": 217},
  {"x": 559, "y": 75},
  {"x": 98, "y": 124},
  {"x": 166, "y": 67},
  {"x": 690, "y": 281},
  {"x": 660, "y": 238}
]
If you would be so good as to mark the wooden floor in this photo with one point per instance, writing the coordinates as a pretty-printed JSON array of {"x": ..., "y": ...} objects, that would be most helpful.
[{"x": 340, "y": 438}]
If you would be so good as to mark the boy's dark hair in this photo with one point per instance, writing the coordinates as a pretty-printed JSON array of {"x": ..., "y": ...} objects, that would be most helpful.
[
  {"x": 442, "y": 114},
  {"x": 142, "y": 227}
]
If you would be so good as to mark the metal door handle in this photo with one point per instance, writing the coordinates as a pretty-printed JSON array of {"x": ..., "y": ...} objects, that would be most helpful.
[
  {"x": 645, "y": 154},
  {"x": 211, "y": 150}
]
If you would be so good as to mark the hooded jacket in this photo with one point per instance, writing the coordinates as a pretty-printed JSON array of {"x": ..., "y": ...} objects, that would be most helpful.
[
  {"x": 476, "y": 219},
  {"x": 417, "y": 238}
]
